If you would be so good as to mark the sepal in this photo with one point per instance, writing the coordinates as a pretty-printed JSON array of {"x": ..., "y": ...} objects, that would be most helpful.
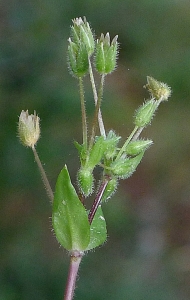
[
  {"x": 125, "y": 167},
  {"x": 85, "y": 181},
  {"x": 136, "y": 147},
  {"x": 145, "y": 113}
]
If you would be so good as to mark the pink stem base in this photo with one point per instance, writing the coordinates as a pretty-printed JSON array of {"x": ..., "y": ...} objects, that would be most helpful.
[{"x": 72, "y": 275}]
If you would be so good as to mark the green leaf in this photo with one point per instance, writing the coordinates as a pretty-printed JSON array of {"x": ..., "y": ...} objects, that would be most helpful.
[
  {"x": 98, "y": 232},
  {"x": 70, "y": 219}
]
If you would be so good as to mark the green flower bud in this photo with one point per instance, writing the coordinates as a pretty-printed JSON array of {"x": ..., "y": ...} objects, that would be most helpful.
[
  {"x": 106, "y": 54},
  {"x": 77, "y": 59},
  {"x": 125, "y": 167},
  {"x": 111, "y": 140},
  {"x": 145, "y": 113},
  {"x": 85, "y": 181},
  {"x": 28, "y": 128},
  {"x": 136, "y": 147},
  {"x": 82, "y": 34},
  {"x": 110, "y": 189},
  {"x": 157, "y": 89}
]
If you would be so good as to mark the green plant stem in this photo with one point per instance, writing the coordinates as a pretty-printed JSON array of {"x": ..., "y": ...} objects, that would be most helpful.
[
  {"x": 43, "y": 174},
  {"x": 135, "y": 137},
  {"x": 100, "y": 120},
  {"x": 98, "y": 199},
  {"x": 127, "y": 142},
  {"x": 97, "y": 109},
  {"x": 83, "y": 111},
  {"x": 75, "y": 260}
]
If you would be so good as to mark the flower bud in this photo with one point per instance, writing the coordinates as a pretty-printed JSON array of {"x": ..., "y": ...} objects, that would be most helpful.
[
  {"x": 110, "y": 189},
  {"x": 85, "y": 181},
  {"x": 111, "y": 140},
  {"x": 106, "y": 54},
  {"x": 157, "y": 89},
  {"x": 82, "y": 34},
  {"x": 125, "y": 167},
  {"x": 28, "y": 128},
  {"x": 136, "y": 147},
  {"x": 145, "y": 113}
]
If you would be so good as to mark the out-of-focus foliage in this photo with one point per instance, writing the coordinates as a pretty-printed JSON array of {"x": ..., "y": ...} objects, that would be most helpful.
[{"x": 147, "y": 255}]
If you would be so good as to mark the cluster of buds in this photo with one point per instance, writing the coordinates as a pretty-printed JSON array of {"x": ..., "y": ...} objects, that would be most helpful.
[
  {"x": 101, "y": 150},
  {"x": 121, "y": 163},
  {"x": 105, "y": 153},
  {"x": 82, "y": 46},
  {"x": 76, "y": 228}
]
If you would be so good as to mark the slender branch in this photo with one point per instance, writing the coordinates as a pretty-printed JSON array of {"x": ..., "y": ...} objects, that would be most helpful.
[
  {"x": 97, "y": 109},
  {"x": 44, "y": 176},
  {"x": 126, "y": 143},
  {"x": 135, "y": 137},
  {"x": 98, "y": 198},
  {"x": 72, "y": 275},
  {"x": 100, "y": 120},
  {"x": 83, "y": 110}
]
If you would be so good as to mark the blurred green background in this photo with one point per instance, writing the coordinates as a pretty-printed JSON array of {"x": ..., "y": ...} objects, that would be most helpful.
[{"x": 147, "y": 255}]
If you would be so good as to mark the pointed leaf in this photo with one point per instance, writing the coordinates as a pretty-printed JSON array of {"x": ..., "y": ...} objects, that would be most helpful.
[{"x": 70, "y": 220}]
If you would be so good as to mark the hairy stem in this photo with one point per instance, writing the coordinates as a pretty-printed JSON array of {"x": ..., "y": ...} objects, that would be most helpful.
[
  {"x": 100, "y": 120},
  {"x": 72, "y": 275},
  {"x": 135, "y": 137},
  {"x": 127, "y": 142},
  {"x": 83, "y": 110},
  {"x": 43, "y": 174},
  {"x": 98, "y": 198},
  {"x": 97, "y": 109}
]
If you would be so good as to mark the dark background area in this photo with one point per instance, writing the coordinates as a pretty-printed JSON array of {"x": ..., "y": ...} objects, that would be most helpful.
[{"x": 147, "y": 255}]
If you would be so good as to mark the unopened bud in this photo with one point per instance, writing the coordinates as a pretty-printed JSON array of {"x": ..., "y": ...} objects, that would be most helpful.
[
  {"x": 145, "y": 113},
  {"x": 85, "y": 181},
  {"x": 136, "y": 147},
  {"x": 82, "y": 34},
  {"x": 106, "y": 54},
  {"x": 157, "y": 89},
  {"x": 112, "y": 141},
  {"x": 28, "y": 128},
  {"x": 125, "y": 167}
]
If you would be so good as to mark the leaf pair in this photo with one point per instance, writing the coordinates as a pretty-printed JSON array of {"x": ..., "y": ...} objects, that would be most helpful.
[{"x": 70, "y": 218}]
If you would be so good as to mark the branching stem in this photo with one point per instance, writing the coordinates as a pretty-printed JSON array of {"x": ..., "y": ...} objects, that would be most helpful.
[
  {"x": 98, "y": 198},
  {"x": 100, "y": 120},
  {"x": 97, "y": 110},
  {"x": 127, "y": 142}
]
